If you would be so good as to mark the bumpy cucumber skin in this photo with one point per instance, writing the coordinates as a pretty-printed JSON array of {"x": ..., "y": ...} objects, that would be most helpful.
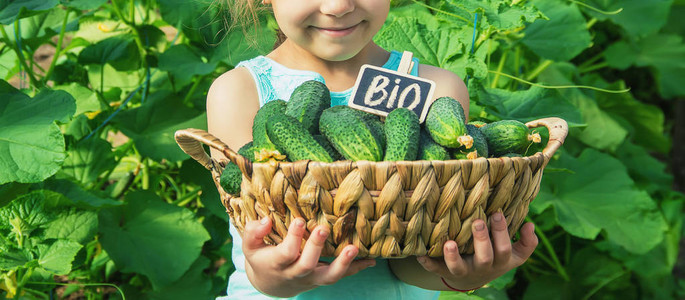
[
  {"x": 232, "y": 177},
  {"x": 289, "y": 134},
  {"x": 480, "y": 144},
  {"x": 247, "y": 151},
  {"x": 259, "y": 137},
  {"x": 430, "y": 150},
  {"x": 377, "y": 127},
  {"x": 323, "y": 141},
  {"x": 307, "y": 102},
  {"x": 446, "y": 122},
  {"x": 506, "y": 136},
  {"x": 349, "y": 134},
  {"x": 402, "y": 132}
]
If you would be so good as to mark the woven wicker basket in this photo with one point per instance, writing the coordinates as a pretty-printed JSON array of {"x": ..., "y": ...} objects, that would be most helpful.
[{"x": 386, "y": 209}]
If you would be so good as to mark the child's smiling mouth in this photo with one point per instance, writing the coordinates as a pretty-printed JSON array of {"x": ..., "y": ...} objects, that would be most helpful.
[{"x": 337, "y": 31}]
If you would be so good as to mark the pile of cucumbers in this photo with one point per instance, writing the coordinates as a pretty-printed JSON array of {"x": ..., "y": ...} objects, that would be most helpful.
[{"x": 306, "y": 127}]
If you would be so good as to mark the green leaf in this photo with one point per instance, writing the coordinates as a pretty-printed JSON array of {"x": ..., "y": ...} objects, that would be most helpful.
[
  {"x": 644, "y": 122},
  {"x": 532, "y": 104},
  {"x": 57, "y": 257},
  {"x": 75, "y": 225},
  {"x": 200, "y": 21},
  {"x": 31, "y": 144},
  {"x": 546, "y": 288},
  {"x": 86, "y": 99},
  {"x": 194, "y": 284},
  {"x": 496, "y": 14},
  {"x": 95, "y": 28},
  {"x": 27, "y": 212},
  {"x": 433, "y": 45},
  {"x": 596, "y": 196},
  {"x": 560, "y": 38},
  {"x": 119, "y": 51},
  {"x": 9, "y": 191},
  {"x": 193, "y": 172},
  {"x": 127, "y": 80},
  {"x": 150, "y": 237},
  {"x": 12, "y": 257},
  {"x": 637, "y": 17},
  {"x": 39, "y": 29},
  {"x": 181, "y": 62},
  {"x": 153, "y": 124},
  {"x": 87, "y": 159},
  {"x": 647, "y": 171},
  {"x": 665, "y": 53},
  {"x": 602, "y": 131},
  {"x": 12, "y": 10},
  {"x": 83, "y": 4},
  {"x": 80, "y": 197}
]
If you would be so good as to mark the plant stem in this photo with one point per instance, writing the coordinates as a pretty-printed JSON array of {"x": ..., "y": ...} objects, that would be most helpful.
[
  {"x": 500, "y": 66},
  {"x": 603, "y": 283},
  {"x": 560, "y": 268},
  {"x": 591, "y": 23},
  {"x": 182, "y": 201},
  {"x": 539, "y": 69},
  {"x": 146, "y": 174},
  {"x": 594, "y": 67},
  {"x": 194, "y": 87},
  {"x": 58, "y": 48},
  {"x": 21, "y": 57}
]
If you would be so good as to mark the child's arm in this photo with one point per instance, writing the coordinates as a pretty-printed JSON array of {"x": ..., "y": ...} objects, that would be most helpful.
[
  {"x": 283, "y": 270},
  {"x": 490, "y": 260}
]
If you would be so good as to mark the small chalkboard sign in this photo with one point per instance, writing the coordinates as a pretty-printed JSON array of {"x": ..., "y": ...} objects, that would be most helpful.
[{"x": 379, "y": 90}]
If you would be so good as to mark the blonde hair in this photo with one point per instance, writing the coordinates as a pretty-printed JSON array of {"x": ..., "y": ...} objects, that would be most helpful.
[{"x": 246, "y": 15}]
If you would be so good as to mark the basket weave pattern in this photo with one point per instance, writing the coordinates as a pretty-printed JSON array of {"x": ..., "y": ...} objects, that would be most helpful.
[{"x": 386, "y": 209}]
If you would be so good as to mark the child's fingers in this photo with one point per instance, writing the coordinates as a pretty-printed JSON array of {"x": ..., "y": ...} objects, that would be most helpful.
[
  {"x": 253, "y": 236},
  {"x": 309, "y": 258},
  {"x": 455, "y": 264},
  {"x": 338, "y": 269},
  {"x": 289, "y": 249},
  {"x": 526, "y": 245},
  {"x": 432, "y": 265},
  {"x": 483, "y": 256},
  {"x": 500, "y": 239}
]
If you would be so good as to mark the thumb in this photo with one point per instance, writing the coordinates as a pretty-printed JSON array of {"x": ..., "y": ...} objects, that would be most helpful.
[{"x": 253, "y": 236}]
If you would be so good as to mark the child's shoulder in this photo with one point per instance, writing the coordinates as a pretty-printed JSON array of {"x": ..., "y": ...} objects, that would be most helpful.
[
  {"x": 234, "y": 85},
  {"x": 447, "y": 83}
]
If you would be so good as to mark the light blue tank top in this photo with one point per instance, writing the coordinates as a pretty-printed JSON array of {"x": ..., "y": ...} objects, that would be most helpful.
[{"x": 275, "y": 81}]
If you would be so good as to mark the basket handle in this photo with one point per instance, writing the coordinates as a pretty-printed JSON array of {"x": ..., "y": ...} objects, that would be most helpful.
[
  {"x": 190, "y": 140},
  {"x": 558, "y": 129}
]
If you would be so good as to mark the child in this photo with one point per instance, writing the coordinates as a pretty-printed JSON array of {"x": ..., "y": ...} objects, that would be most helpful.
[{"x": 329, "y": 40}]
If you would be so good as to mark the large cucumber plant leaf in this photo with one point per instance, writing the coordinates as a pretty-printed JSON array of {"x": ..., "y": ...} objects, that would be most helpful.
[
  {"x": 31, "y": 143},
  {"x": 151, "y": 237},
  {"x": 560, "y": 38},
  {"x": 12, "y": 10},
  {"x": 597, "y": 195}
]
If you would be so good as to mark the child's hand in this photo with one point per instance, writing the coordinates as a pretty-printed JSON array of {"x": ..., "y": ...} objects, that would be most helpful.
[
  {"x": 283, "y": 270},
  {"x": 490, "y": 259}
]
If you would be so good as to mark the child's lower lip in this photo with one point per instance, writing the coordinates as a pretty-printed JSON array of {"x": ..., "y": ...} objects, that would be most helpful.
[{"x": 338, "y": 33}]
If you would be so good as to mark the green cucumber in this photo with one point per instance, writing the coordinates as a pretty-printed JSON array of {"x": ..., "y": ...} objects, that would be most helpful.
[
  {"x": 263, "y": 146},
  {"x": 349, "y": 134},
  {"x": 508, "y": 136},
  {"x": 446, "y": 123},
  {"x": 307, "y": 102},
  {"x": 429, "y": 149},
  {"x": 402, "y": 131},
  {"x": 289, "y": 134}
]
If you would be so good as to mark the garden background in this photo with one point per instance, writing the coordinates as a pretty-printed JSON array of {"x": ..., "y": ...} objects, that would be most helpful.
[{"x": 97, "y": 201}]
